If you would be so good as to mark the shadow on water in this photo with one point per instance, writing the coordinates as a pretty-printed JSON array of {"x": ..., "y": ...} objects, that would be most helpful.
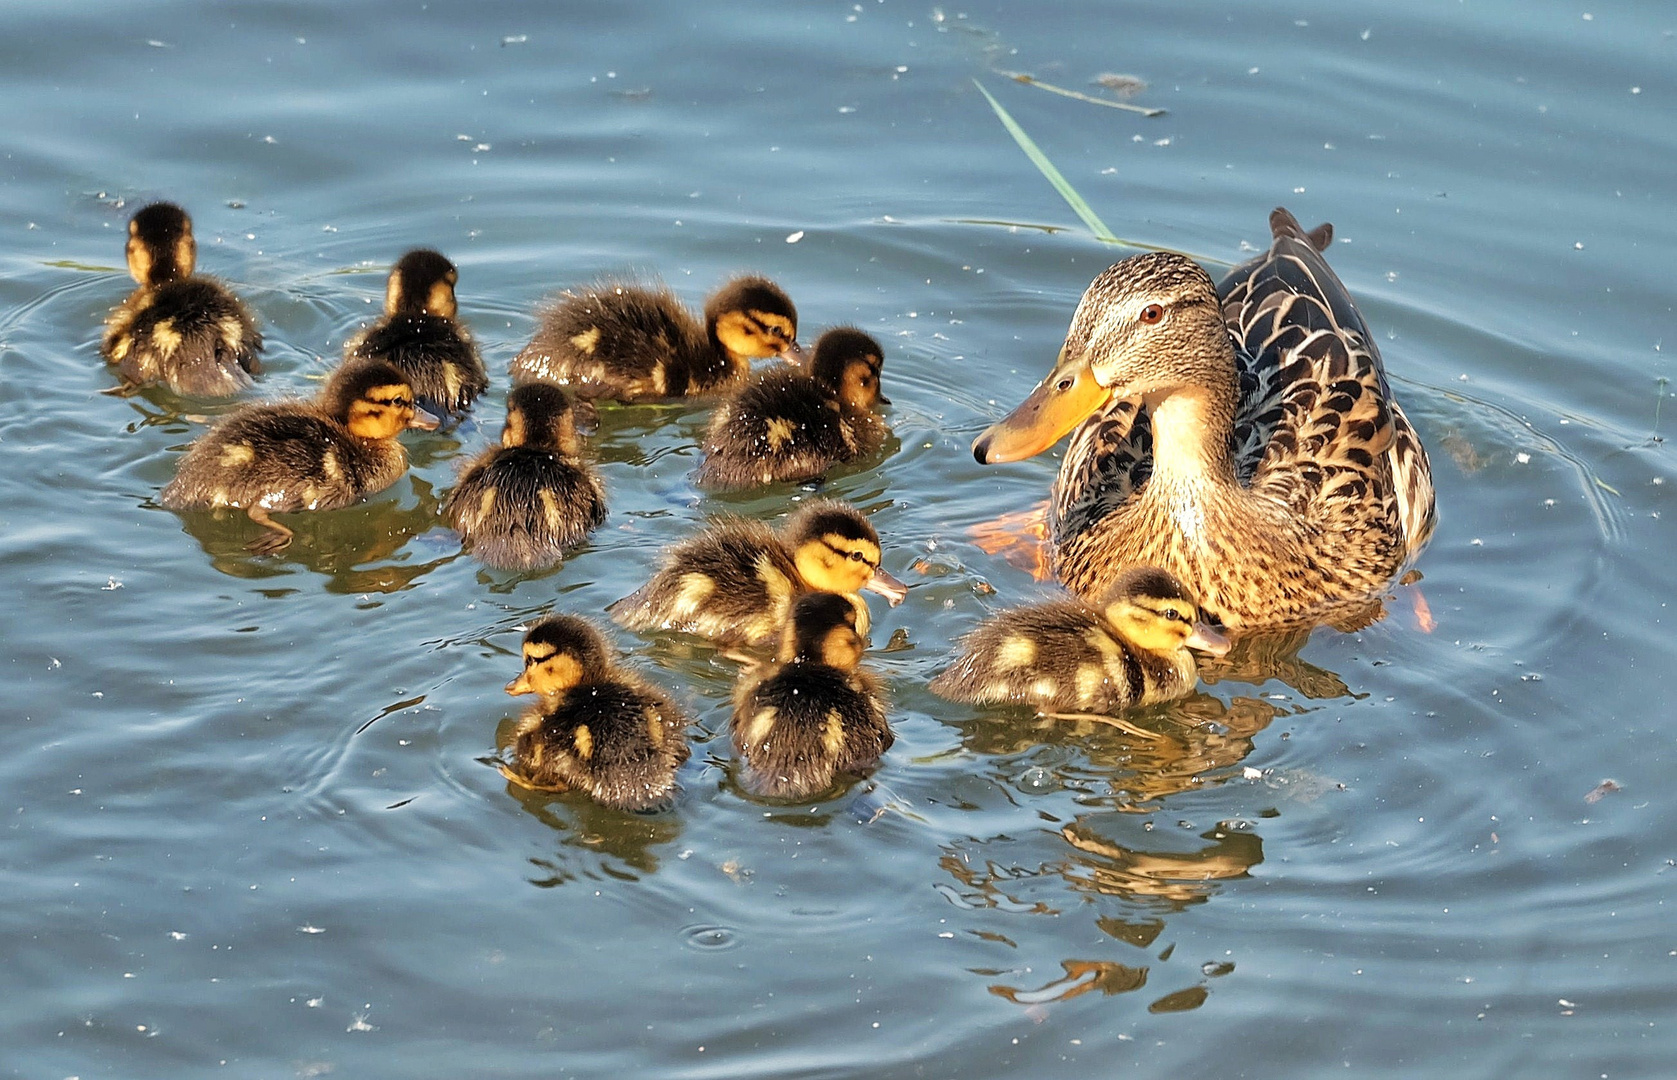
[{"x": 359, "y": 549}]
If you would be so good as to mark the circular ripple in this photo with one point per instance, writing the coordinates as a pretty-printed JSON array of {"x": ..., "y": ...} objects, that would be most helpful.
[{"x": 708, "y": 938}]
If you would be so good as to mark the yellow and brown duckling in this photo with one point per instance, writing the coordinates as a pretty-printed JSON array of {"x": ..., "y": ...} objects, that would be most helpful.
[
  {"x": 792, "y": 423},
  {"x": 814, "y": 713},
  {"x": 639, "y": 343},
  {"x": 188, "y": 332},
  {"x": 325, "y": 454},
  {"x": 735, "y": 582},
  {"x": 520, "y": 505},
  {"x": 598, "y": 729},
  {"x": 1063, "y": 657},
  {"x": 421, "y": 334}
]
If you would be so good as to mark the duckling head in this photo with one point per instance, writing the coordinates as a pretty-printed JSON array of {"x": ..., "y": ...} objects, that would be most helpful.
[
  {"x": 752, "y": 317},
  {"x": 1146, "y": 327},
  {"x": 421, "y": 283},
  {"x": 373, "y": 399},
  {"x": 822, "y": 629},
  {"x": 847, "y": 363},
  {"x": 837, "y": 551},
  {"x": 540, "y": 415},
  {"x": 560, "y": 652},
  {"x": 1152, "y": 610},
  {"x": 160, "y": 245}
]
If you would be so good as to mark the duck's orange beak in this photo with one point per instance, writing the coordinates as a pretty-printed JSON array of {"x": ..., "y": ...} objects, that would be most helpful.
[{"x": 1058, "y": 404}]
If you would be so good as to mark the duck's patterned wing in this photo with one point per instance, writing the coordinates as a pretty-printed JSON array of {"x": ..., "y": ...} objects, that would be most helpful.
[
  {"x": 1315, "y": 427},
  {"x": 1113, "y": 452}
]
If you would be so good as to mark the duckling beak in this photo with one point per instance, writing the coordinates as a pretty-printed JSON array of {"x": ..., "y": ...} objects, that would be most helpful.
[
  {"x": 1058, "y": 404},
  {"x": 795, "y": 353},
  {"x": 520, "y": 685},
  {"x": 423, "y": 420},
  {"x": 1208, "y": 640},
  {"x": 894, "y": 591}
]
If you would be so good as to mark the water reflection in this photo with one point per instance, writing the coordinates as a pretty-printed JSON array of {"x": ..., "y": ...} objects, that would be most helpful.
[{"x": 358, "y": 549}]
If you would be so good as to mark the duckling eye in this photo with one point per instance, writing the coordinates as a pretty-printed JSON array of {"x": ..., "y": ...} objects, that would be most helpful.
[
  {"x": 1152, "y": 313},
  {"x": 857, "y": 556}
]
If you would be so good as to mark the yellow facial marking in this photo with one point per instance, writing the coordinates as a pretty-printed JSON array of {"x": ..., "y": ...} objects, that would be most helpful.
[
  {"x": 139, "y": 260},
  {"x": 440, "y": 300},
  {"x": 583, "y": 739},
  {"x": 166, "y": 337},
  {"x": 832, "y": 733},
  {"x": 833, "y": 563},
  {"x": 759, "y": 727},
  {"x": 186, "y": 255},
  {"x": 1016, "y": 652},
  {"x": 780, "y": 432},
  {"x": 586, "y": 341},
  {"x": 841, "y": 648},
  {"x": 516, "y": 433},
  {"x": 235, "y": 454}
]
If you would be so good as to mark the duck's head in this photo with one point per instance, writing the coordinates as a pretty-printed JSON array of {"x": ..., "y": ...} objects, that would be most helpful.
[
  {"x": 421, "y": 283},
  {"x": 752, "y": 317},
  {"x": 1148, "y": 326},
  {"x": 160, "y": 244},
  {"x": 837, "y": 551},
  {"x": 1154, "y": 611},
  {"x": 560, "y": 652},
  {"x": 373, "y": 399},
  {"x": 847, "y": 362},
  {"x": 540, "y": 415},
  {"x": 822, "y": 629}
]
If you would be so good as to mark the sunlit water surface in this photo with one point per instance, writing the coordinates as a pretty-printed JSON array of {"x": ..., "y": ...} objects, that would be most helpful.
[{"x": 251, "y": 829}]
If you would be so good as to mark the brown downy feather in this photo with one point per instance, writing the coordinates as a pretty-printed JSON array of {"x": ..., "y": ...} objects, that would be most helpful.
[{"x": 422, "y": 336}]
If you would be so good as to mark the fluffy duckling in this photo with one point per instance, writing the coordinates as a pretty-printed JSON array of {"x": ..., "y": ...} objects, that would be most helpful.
[
  {"x": 186, "y": 331},
  {"x": 793, "y": 424},
  {"x": 1068, "y": 659},
  {"x": 302, "y": 455},
  {"x": 518, "y": 506},
  {"x": 598, "y": 729},
  {"x": 638, "y": 343},
  {"x": 735, "y": 582},
  {"x": 815, "y": 712},
  {"x": 421, "y": 334}
]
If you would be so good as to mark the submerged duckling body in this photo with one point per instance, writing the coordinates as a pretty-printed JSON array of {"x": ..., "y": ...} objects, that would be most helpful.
[
  {"x": 814, "y": 713},
  {"x": 1063, "y": 656},
  {"x": 324, "y": 454},
  {"x": 793, "y": 424},
  {"x": 598, "y": 729},
  {"x": 421, "y": 334},
  {"x": 520, "y": 505},
  {"x": 735, "y": 582},
  {"x": 639, "y": 343},
  {"x": 177, "y": 328}
]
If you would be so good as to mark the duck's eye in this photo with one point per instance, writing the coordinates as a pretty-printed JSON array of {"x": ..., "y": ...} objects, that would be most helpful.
[
  {"x": 1172, "y": 615},
  {"x": 1152, "y": 313},
  {"x": 1063, "y": 385},
  {"x": 857, "y": 556}
]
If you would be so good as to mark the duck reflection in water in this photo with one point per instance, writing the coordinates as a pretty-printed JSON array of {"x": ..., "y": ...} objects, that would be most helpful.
[{"x": 359, "y": 549}]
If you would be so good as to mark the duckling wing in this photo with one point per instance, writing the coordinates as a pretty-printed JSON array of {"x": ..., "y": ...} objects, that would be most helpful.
[
  {"x": 613, "y": 341},
  {"x": 780, "y": 427},
  {"x": 1318, "y": 430},
  {"x": 734, "y": 583},
  {"x": 520, "y": 508},
  {"x": 436, "y": 354},
  {"x": 283, "y": 457}
]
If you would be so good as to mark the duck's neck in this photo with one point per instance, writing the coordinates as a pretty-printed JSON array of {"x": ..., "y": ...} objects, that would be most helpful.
[{"x": 1191, "y": 429}]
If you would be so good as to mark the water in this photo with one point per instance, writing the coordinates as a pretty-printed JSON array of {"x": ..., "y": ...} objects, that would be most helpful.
[{"x": 251, "y": 831}]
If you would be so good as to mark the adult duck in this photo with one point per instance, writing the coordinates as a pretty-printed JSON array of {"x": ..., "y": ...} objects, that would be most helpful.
[{"x": 1241, "y": 437}]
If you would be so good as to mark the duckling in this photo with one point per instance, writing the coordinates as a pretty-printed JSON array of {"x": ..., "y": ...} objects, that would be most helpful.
[
  {"x": 638, "y": 343},
  {"x": 518, "y": 506},
  {"x": 735, "y": 582},
  {"x": 815, "y": 712},
  {"x": 324, "y": 454},
  {"x": 422, "y": 336},
  {"x": 1068, "y": 659},
  {"x": 598, "y": 728},
  {"x": 177, "y": 328},
  {"x": 791, "y": 424}
]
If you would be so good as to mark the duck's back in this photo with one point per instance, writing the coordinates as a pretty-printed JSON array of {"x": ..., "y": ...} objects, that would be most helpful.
[
  {"x": 627, "y": 342},
  {"x": 285, "y": 456},
  {"x": 520, "y": 507},
  {"x": 733, "y": 582},
  {"x": 618, "y": 740},
  {"x": 804, "y": 724},
  {"x": 436, "y": 354},
  {"x": 783, "y": 427},
  {"x": 192, "y": 334}
]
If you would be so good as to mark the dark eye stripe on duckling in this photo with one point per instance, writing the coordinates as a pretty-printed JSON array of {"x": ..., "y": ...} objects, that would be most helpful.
[{"x": 848, "y": 553}]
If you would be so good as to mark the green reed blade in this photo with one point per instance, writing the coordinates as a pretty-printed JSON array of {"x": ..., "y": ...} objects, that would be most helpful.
[{"x": 1046, "y": 167}]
